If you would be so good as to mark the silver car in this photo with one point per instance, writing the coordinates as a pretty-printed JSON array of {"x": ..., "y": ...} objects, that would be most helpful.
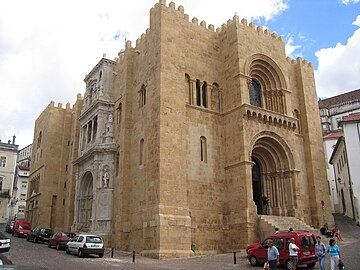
[{"x": 85, "y": 244}]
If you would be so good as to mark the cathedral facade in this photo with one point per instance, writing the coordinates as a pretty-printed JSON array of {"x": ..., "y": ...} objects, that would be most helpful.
[{"x": 185, "y": 133}]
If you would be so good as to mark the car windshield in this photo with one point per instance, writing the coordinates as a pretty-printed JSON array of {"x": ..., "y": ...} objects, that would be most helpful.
[
  {"x": 47, "y": 231},
  {"x": 93, "y": 239},
  {"x": 70, "y": 235}
]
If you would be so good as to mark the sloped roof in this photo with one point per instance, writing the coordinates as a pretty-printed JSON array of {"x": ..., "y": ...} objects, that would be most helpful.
[
  {"x": 340, "y": 99},
  {"x": 334, "y": 134},
  {"x": 353, "y": 117}
]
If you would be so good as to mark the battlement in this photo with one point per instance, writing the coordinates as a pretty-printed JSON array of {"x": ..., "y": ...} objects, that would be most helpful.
[
  {"x": 203, "y": 24},
  {"x": 299, "y": 61}
]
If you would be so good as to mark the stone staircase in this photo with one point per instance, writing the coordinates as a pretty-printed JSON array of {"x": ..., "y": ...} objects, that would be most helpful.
[{"x": 267, "y": 225}]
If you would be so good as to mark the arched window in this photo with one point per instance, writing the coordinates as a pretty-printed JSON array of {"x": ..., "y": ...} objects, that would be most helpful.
[
  {"x": 39, "y": 139},
  {"x": 141, "y": 154},
  {"x": 204, "y": 94},
  {"x": 215, "y": 97},
  {"x": 188, "y": 90},
  {"x": 255, "y": 93},
  {"x": 203, "y": 149},
  {"x": 142, "y": 96},
  {"x": 119, "y": 114},
  {"x": 198, "y": 93},
  {"x": 297, "y": 116}
]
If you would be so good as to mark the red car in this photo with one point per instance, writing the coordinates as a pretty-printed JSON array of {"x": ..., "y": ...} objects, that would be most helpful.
[
  {"x": 60, "y": 239},
  {"x": 257, "y": 252},
  {"x": 21, "y": 228}
]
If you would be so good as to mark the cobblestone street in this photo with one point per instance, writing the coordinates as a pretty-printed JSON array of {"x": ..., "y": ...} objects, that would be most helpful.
[{"x": 27, "y": 253}]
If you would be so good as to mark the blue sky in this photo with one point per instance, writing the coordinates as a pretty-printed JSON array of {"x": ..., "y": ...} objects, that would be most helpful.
[
  {"x": 315, "y": 24},
  {"x": 47, "y": 47}
]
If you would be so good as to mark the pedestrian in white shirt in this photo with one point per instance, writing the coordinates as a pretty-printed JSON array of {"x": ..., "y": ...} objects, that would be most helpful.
[{"x": 293, "y": 251}]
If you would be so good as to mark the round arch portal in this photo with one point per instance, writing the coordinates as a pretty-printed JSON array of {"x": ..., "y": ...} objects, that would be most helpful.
[
  {"x": 272, "y": 177},
  {"x": 85, "y": 200}
]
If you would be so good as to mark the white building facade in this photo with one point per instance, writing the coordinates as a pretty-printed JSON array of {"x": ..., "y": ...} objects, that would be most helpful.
[
  {"x": 351, "y": 127},
  {"x": 8, "y": 157},
  {"x": 332, "y": 110}
]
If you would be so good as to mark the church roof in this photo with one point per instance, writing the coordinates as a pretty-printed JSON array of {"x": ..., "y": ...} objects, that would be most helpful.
[{"x": 340, "y": 99}]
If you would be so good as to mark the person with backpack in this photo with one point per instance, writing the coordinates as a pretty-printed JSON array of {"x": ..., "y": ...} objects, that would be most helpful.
[{"x": 320, "y": 249}]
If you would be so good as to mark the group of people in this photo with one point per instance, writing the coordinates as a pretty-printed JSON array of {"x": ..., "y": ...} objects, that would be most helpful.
[
  {"x": 321, "y": 250},
  {"x": 334, "y": 232}
]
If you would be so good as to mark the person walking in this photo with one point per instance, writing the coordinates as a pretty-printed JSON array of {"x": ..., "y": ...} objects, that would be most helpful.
[
  {"x": 334, "y": 252},
  {"x": 273, "y": 256},
  {"x": 293, "y": 252},
  {"x": 320, "y": 249}
]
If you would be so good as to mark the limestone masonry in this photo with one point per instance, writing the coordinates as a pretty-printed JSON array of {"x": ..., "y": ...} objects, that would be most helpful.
[{"x": 177, "y": 142}]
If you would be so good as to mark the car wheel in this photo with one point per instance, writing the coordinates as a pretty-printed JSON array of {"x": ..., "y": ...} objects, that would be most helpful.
[
  {"x": 57, "y": 247},
  {"x": 253, "y": 261},
  {"x": 289, "y": 265},
  {"x": 67, "y": 250},
  {"x": 80, "y": 253},
  {"x": 35, "y": 240},
  {"x": 27, "y": 238},
  {"x": 311, "y": 265},
  {"x": 49, "y": 245},
  {"x": 101, "y": 255},
  {"x": 13, "y": 234}
]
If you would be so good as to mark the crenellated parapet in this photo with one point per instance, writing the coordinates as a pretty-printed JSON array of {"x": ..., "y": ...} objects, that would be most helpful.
[
  {"x": 299, "y": 61},
  {"x": 180, "y": 12}
]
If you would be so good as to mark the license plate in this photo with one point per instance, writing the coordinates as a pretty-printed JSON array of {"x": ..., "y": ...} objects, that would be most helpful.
[{"x": 94, "y": 245}]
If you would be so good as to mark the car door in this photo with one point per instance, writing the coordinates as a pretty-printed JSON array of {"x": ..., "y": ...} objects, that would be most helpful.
[
  {"x": 71, "y": 244},
  {"x": 79, "y": 242},
  {"x": 283, "y": 251},
  {"x": 263, "y": 250},
  {"x": 54, "y": 239}
]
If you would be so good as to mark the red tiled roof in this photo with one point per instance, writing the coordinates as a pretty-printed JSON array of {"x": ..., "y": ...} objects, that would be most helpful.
[
  {"x": 333, "y": 134},
  {"x": 340, "y": 99},
  {"x": 353, "y": 117}
]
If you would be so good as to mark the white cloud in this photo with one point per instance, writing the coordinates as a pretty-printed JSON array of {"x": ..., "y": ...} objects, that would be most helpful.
[
  {"x": 339, "y": 67},
  {"x": 346, "y": 2},
  {"x": 357, "y": 21},
  {"x": 47, "y": 47},
  {"x": 291, "y": 49}
]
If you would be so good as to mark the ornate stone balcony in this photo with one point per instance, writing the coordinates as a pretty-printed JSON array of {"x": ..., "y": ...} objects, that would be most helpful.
[{"x": 269, "y": 117}]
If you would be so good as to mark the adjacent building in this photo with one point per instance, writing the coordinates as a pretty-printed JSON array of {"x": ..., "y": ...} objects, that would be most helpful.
[
  {"x": 346, "y": 161},
  {"x": 331, "y": 112},
  {"x": 51, "y": 166},
  {"x": 177, "y": 140},
  {"x": 18, "y": 198},
  {"x": 8, "y": 157}
]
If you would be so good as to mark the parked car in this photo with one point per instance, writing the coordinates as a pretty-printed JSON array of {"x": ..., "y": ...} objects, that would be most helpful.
[
  {"x": 257, "y": 252},
  {"x": 39, "y": 234},
  {"x": 4, "y": 243},
  {"x": 85, "y": 244},
  {"x": 9, "y": 226},
  {"x": 21, "y": 228},
  {"x": 60, "y": 239}
]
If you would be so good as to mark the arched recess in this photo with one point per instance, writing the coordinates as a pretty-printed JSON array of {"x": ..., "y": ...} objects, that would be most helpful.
[
  {"x": 272, "y": 175},
  {"x": 267, "y": 75},
  {"x": 85, "y": 200}
]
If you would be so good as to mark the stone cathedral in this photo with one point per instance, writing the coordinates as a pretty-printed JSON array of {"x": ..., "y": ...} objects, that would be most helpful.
[{"x": 177, "y": 141}]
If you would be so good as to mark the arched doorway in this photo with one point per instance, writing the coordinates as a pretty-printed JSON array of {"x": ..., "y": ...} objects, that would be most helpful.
[
  {"x": 272, "y": 177},
  {"x": 257, "y": 189},
  {"x": 85, "y": 200}
]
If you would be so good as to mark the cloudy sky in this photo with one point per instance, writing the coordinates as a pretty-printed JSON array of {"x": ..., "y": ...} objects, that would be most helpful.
[{"x": 47, "y": 47}]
